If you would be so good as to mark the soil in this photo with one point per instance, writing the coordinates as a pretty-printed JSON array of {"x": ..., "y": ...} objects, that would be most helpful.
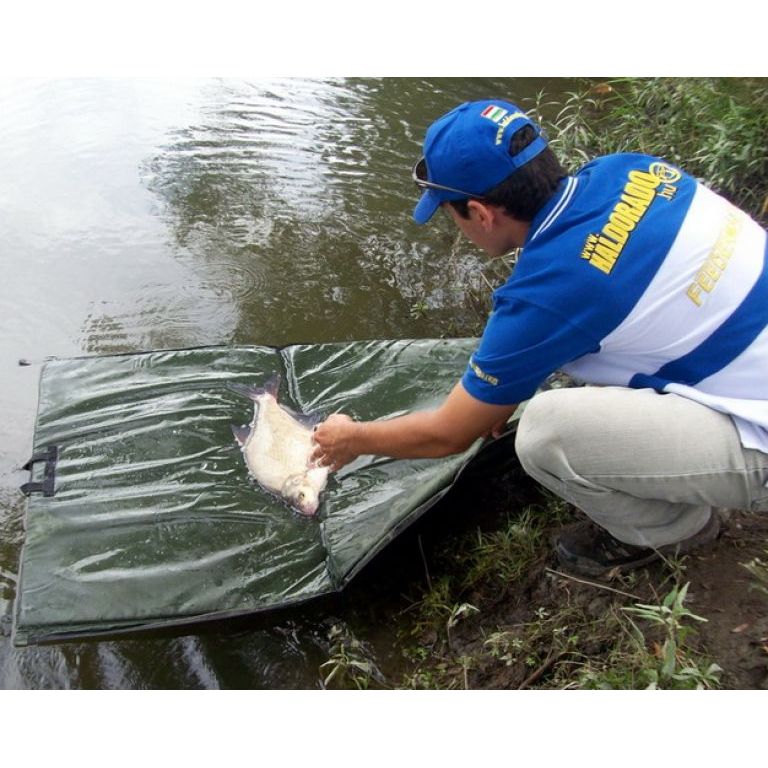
[
  {"x": 721, "y": 589},
  {"x": 735, "y": 635}
]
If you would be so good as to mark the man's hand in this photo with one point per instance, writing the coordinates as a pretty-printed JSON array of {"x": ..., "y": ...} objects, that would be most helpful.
[
  {"x": 335, "y": 443},
  {"x": 498, "y": 429},
  {"x": 446, "y": 430}
]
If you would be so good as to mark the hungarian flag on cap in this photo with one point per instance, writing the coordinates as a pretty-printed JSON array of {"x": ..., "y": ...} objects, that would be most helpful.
[{"x": 493, "y": 113}]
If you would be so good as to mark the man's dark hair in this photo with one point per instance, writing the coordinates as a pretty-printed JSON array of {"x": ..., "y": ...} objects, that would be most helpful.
[{"x": 523, "y": 193}]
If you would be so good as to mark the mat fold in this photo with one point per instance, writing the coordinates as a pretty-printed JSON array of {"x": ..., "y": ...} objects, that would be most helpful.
[{"x": 153, "y": 521}]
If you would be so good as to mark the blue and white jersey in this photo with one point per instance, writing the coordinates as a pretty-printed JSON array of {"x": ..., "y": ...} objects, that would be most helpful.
[{"x": 636, "y": 275}]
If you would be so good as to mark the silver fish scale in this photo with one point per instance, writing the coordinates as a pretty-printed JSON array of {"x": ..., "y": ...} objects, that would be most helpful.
[{"x": 278, "y": 448}]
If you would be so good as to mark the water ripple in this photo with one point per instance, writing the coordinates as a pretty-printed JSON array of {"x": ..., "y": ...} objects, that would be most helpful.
[{"x": 144, "y": 215}]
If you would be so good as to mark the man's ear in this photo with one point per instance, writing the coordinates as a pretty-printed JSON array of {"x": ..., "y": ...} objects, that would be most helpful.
[{"x": 482, "y": 213}]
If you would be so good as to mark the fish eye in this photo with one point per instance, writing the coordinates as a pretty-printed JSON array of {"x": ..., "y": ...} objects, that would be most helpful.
[{"x": 302, "y": 496}]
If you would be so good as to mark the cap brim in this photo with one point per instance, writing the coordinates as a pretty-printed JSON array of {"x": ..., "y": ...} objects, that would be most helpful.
[{"x": 426, "y": 207}]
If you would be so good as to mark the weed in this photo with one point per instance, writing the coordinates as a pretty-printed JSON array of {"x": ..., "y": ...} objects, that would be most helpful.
[
  {"x": 504, "y": 646},
  {"x": 759, "y": 570},
  {"x": 676, "y": 665},
  {"x": 577, "y": 639},
  {"x": 502, "y": 558},
  {"x": 351, "y": 663},
  {"x": 506, "y": 555},
  {"x": 632, "y": 662},
  {"x": 434, "y": 608},
  {"x": 566, "y": 646},
  {"x": 438, "y": 676},
  {"x": 458, "y": 612},
  {"x": 419, "y": 309},
  {"x": 715, "y": 128},
  {"x": 480, "y": 560}
]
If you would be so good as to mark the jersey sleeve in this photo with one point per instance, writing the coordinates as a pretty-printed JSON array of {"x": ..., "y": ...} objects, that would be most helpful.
[{"x": 521, "y": 345}]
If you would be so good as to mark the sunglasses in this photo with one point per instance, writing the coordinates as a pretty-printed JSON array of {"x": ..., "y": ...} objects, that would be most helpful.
[{"x": 419, "y": 175}]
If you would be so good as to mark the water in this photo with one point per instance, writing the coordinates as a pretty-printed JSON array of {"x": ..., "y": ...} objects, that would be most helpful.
[{"x": 148, "y": 214}]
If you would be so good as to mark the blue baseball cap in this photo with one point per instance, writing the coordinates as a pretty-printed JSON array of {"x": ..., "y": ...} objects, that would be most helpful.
[{"x": 466, "y": 153}]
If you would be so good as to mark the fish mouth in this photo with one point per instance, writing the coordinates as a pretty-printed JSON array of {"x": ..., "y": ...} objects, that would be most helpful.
[{"x": 308, "y": 508}]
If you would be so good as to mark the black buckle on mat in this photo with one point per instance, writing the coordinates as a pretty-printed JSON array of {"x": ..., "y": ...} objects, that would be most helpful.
[{"x": 50, "y": 456}]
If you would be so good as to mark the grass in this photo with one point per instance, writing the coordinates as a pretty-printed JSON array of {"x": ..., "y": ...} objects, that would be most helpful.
[
  {"x": 554, "y": 632},
  {"x": 580, "y": 637},
  {"x": 759, "y": 570},
  {"x": 351, "y": 662},
  {"x": 494, "y": 616},
  {"x": 714, "y": 128},
  {"x": 474, "y": 565},
  {"x": 503, "y": 557}
]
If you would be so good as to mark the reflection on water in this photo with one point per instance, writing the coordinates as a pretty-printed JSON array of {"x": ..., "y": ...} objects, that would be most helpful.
[{"x": 141, "y": 215}]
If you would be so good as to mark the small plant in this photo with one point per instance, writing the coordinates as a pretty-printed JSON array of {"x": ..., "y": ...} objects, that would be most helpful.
[
  {"x": 434, "y": 608},
  {"x": 504, "y": 646},
  {"x": 350, "y": 664},
  {"x": 419, "y": 309},
  {"x": 540, "y": 646},
  {"x": 759, "y": 570},
  {"x": 715, "y": 128},
  {"x": 677, "y": 666},
  {"x": 506, "y": 555},
  {"x": 458, "y": 612}
]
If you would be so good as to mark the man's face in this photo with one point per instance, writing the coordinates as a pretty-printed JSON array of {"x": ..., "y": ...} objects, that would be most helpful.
[{"x": 486, "y": 233}]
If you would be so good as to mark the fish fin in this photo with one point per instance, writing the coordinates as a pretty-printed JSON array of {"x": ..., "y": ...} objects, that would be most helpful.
[
  {"x": 308, "y": 419},
  {"x": 241, "y": 433},
  {"x": 252, "y": 393},
  {"x": 317, "y": 475},
  {"x": 271, "y": 386}
]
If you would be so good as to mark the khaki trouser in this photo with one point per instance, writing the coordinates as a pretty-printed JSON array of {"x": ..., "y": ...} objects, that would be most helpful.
[{"x": 646, "y": 467}]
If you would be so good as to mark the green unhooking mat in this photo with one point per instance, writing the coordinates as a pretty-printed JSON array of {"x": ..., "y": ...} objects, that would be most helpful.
[{"x": 141, "y": 513}]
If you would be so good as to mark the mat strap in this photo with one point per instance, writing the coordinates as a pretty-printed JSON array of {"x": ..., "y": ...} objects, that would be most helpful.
[{"x": 50, "y": 456}]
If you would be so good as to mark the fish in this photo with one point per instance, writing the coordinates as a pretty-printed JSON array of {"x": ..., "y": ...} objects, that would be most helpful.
[{"x": 277, "y": 446}]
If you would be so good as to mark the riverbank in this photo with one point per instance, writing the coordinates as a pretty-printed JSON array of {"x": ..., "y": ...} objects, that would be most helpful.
[
  {"x": 495, "y": 611},
  {"x": 492, "y": 609}
]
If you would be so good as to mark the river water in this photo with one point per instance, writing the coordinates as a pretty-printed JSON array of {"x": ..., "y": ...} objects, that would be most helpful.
[{"x": 150, "y": 214}]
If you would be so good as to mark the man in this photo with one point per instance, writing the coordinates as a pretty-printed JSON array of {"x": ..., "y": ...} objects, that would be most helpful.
[{"x": 633, "y": 276}]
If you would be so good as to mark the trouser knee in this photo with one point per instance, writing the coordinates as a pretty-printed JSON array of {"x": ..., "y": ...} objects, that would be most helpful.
[{"x": 539, "y": 437}]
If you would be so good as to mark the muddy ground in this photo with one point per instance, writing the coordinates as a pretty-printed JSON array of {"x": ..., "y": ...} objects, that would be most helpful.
[
  {"x": 722, "y": 590},
  {"x": 735, "y": 635}
]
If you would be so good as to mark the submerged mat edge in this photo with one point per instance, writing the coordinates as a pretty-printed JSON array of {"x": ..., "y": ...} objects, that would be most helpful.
[{"x": 38, "y": 633}]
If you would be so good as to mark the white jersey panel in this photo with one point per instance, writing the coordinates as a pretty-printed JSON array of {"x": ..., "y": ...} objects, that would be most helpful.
[
  {"x": 616, "y": 370},
  {"x": 739, "y": 376},
  {"x": 666, "y": 323},
  {"x": 671, "y": 319}
]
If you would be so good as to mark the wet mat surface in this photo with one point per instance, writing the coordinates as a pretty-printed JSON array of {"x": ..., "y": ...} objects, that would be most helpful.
[{"x": 154, "y": 521}]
